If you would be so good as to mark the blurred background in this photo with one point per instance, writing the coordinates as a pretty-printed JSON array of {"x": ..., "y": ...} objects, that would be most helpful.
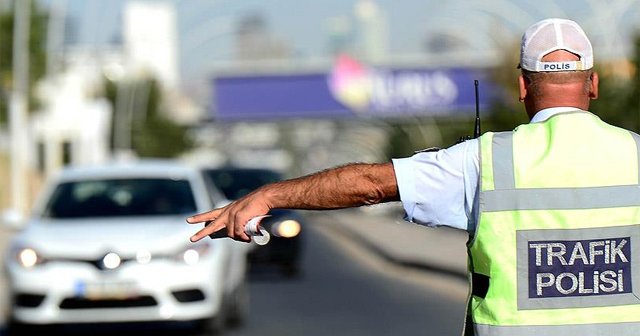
[
  {"x": 298, "y": 86},
  {"x": 294, "y": 86}
]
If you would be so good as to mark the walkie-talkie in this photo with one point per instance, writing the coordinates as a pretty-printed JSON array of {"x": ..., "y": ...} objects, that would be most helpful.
[{"x": 476, "y": 130}]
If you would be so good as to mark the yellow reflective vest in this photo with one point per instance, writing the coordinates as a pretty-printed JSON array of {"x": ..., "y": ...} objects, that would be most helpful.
[{"x": 557, "y": 246}]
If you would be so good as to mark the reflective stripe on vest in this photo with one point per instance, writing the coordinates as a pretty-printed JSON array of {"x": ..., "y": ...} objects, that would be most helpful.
[
  {"x": 505, "y": 197},
  {"x": 559, "y": 249},
  {"x": 604, "y": 329}
]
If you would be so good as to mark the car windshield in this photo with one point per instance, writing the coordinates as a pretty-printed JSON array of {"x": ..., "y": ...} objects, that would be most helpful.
[
  {"x": 121, "y": 197},
  {"x": 235, "y": 183}
]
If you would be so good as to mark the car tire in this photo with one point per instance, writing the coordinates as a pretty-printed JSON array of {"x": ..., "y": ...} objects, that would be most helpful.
[
  {"x": 213, "y": 325},
  {"x": 217, "y": 324}
]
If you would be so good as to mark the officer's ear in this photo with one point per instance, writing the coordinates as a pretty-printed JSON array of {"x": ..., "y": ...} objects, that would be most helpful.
[
  {"x": 522, "y": 84},
  {"x": 593, "y": 86}
]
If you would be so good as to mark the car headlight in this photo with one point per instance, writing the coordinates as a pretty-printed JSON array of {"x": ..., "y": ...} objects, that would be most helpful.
[
  {"x": 28, "y": 257},
  {"x": 193, "y": 253},
  {"x": 287, "y": 228},
  {"x": 111, "y": 261}
]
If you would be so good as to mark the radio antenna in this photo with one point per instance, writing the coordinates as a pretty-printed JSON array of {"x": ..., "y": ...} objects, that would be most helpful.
[{"x": 476, "y": 131}]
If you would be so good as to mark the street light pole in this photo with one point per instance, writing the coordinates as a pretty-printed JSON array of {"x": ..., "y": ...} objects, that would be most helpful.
[{"x": 18, "y": 105}]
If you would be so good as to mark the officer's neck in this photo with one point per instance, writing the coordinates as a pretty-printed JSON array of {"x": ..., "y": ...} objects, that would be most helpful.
[{"x": 532, "y": 106}]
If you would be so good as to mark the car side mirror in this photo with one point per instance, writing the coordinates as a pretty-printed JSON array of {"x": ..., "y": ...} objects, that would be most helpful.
[{"x": 13, "y": 219}]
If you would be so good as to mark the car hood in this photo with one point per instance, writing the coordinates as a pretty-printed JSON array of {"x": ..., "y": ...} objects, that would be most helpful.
[{"x": 91, "y": 237}]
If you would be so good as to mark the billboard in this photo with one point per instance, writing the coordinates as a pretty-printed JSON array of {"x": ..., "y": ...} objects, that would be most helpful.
[{"x": 349, "y": 89}]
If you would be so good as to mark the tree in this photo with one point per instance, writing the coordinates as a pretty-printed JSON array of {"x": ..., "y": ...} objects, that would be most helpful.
[
  {"x": 37, "y": 61},
  {"x": 619, "y": 101},
  {"x": 633, "y": 97},
  {"x": 151, "y": 132},
  {"x": 506, "y": 112}
]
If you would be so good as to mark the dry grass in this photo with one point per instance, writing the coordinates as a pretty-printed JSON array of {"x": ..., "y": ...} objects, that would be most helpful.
[
  {"x": 34, "y": 183},
  {"x": 4, "y": 180}
]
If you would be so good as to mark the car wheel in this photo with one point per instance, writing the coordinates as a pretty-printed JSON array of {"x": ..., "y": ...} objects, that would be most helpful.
[
  {"x": 213, "y": 325},
  {"x": 217, "y": 323},
  {"x": 238, "y": 305}
]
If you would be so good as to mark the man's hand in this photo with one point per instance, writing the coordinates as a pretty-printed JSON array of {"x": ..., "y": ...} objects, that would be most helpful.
[
  {"x": 351, "y": 185},
  {"x": 233, "y": 217}
]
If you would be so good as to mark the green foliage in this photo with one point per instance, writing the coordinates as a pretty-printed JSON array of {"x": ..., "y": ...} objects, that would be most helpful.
[
  {"x": 612, "y": 102},
  {"x": 619, "y": 100},
  {"x": 405, "y": 136},
  {"x": 6, "y": 39},
  {"x": 37, "y": 54},
  {"x": 152, "y": 133},
  {"x": 506, "y": 112},
  {"x": 504, "y": 116},
  {"x": 399, "y": 143}
]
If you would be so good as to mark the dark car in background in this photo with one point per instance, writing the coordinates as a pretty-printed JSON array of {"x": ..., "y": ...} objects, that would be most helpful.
[{"x": 284, "y": 225}]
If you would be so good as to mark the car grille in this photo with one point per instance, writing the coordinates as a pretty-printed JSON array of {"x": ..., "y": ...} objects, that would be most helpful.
[
  {"x": 80, "y": 303},
  {"x": 96, "y": 263}
]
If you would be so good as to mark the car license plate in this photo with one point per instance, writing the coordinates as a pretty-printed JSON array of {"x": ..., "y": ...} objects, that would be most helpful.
[{"x": 106, "y": 289}]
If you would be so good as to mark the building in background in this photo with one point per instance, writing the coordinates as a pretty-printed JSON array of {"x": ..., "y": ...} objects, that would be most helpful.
[
  {"x": 372, "y": 32},
  {"x": 150, "y": 40},
  {"x": 363, "y": 34},
  {"x": 340, "y": 35},
  {"x": 255, "y": 42},
  {"x": 74, "y": 123}
]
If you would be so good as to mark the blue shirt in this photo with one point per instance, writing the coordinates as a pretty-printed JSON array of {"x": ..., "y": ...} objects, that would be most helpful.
[{"x": 441, "y": 188}]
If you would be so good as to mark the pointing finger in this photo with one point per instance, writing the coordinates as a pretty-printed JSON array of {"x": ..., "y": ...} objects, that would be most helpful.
[
  {"x": 206, "y": 231},
  {"x": 204, "y": 217}
]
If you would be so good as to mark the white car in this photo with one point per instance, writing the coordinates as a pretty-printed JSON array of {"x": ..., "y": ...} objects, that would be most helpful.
[{"x": 111, "y": 244}]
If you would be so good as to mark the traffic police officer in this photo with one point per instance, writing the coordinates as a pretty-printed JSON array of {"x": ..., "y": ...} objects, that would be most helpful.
[
  {"x": 552, "y": 208},
  {"x": 559, "y": 205}
]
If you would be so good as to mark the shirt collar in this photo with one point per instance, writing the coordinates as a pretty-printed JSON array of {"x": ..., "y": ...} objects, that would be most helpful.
[{"x": 547, "y": 113}]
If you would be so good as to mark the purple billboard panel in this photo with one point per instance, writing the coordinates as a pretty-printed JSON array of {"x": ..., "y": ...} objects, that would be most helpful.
[
  {"x": 275, "y": 97},
  {"x": 349, "y": 90}
]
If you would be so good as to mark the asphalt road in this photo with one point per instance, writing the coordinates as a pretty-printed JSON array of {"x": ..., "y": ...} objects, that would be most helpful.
[{"x": 343, "y": 289}]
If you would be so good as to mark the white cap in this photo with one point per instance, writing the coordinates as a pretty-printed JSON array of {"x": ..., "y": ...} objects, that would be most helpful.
[{"x": 550, "y": 35}]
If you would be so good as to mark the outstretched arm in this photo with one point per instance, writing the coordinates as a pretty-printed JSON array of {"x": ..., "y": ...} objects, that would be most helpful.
[{"x": 351, "y": 185}]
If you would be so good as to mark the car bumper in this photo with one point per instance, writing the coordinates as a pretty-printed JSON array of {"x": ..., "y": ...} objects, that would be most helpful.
[{"x": 68, "y": 292}]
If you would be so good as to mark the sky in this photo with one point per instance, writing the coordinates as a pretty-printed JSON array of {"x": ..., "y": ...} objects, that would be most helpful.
[{"x": 205, "y": 27}]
